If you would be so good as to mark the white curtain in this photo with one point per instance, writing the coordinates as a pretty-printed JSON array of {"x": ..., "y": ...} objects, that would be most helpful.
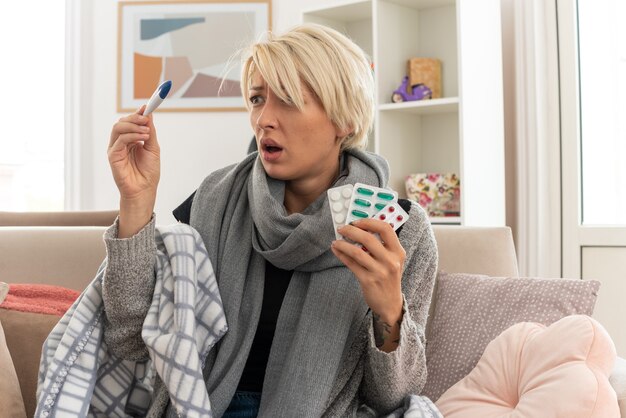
[{"x": 533, "y": 135}]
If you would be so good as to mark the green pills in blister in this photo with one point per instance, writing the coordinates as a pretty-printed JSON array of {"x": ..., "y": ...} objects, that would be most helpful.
[{"x": 368, "y": 200}]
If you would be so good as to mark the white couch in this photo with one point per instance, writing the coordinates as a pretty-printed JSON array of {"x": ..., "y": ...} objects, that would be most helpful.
[{"x": 70, "y": 256}]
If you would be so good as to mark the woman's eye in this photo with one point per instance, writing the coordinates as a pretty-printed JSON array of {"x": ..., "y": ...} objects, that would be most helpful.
[{"x": 256, "y": 100}]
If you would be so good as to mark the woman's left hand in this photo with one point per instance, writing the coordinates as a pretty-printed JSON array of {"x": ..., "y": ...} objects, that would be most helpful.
[{"x": 378, "y": 269}]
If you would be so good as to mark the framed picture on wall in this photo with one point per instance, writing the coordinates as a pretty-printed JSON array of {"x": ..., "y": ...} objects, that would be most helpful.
[{"x": 192, "y": 43}]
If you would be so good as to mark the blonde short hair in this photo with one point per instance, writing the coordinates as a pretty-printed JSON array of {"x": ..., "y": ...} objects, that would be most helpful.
[{"x": 335, "y": 69}]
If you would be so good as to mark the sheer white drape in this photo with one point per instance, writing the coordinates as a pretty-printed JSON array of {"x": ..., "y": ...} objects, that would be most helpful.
[
  {"x": 78, "y": 90},
  {"x": 537, "y": 220}
]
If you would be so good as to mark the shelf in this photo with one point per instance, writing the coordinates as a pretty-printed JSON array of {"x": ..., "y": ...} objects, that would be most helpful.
[
  {"x": 347, "y": 11},
  {"x": 445, "y": 220},
  {"x": 442, "y": 220},
  {"x": 443, "y": 135},
  {"x": 423, "y": 4},
  {"x": 424, "y": 107}
]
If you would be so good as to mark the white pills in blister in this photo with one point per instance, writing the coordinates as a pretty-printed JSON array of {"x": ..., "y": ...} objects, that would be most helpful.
[
  {"x": 339, "y": 200},
  {"x": 349, "y": 203}
]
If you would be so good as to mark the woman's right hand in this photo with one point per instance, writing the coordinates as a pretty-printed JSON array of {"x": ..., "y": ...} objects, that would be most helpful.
[{"x": 134, "y": 157}]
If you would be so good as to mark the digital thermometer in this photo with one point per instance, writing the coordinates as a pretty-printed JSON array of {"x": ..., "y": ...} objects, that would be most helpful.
[{"x": 157, "y": 97}]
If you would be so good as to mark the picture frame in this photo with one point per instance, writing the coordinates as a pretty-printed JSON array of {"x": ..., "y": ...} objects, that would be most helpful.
[{"x": 164, "y": 40}]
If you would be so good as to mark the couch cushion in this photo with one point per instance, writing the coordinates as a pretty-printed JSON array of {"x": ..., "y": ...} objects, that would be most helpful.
[
  {"x": 11, "y": 403},
  {"x": 25, "y": 334},
  {"x": 67, "y": 257},
  {"x": 531, "y": 370},
  {"x": 472, "y": 310}
]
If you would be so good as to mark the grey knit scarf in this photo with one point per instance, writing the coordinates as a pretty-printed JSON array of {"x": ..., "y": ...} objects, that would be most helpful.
[{"x": 240, "y": 215}]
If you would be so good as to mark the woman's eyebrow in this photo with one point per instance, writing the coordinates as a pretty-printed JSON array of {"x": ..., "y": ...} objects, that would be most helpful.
[{"x": 256, "y": 88}]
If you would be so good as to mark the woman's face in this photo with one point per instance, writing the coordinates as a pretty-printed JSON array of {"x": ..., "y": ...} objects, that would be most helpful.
[{"x": 293, "y": 145}]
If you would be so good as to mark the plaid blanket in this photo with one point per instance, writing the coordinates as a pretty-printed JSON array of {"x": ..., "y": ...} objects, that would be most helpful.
[
  {"x": 414, "y": 406},
  {"x": 79, "y": 377}
]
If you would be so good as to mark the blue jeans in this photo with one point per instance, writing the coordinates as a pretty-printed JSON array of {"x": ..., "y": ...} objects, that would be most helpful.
[{"x": 243, "y": 405}]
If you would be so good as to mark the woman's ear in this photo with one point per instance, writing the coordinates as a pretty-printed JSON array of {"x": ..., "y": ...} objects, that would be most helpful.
[{"x": 344, "y": 133}]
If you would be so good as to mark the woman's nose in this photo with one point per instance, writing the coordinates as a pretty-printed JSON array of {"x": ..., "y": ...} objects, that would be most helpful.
[{"x": 267, "y": 118}]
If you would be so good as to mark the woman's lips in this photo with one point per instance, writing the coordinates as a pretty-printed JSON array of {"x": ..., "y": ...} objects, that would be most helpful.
[
  {"x": 271, "y": 154},
  {"x": 271, "y": 150}
]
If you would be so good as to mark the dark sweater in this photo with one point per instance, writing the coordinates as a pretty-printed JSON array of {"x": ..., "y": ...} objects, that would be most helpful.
[{"x": 276, "y": 283}]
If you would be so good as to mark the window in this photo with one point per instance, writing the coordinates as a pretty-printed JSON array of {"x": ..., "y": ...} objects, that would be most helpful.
[
  {"x": 32, "y": 69},
  {"x": 602, "y": 66}
]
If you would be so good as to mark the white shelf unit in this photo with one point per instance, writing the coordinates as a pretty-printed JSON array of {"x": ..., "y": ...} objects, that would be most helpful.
[{"x": 462, "y": 132}]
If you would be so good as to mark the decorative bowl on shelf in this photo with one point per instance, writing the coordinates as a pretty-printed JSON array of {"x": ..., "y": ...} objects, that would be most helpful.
[{"x": 438, "y": 193}]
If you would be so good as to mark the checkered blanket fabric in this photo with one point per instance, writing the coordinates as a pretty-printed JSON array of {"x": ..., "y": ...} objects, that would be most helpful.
[
  {"x": 80, "y": 377},
  {"x": 414, "y": 406}
]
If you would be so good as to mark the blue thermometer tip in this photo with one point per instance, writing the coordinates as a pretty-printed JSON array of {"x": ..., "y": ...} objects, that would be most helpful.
[{"x": 165, "y": 89}]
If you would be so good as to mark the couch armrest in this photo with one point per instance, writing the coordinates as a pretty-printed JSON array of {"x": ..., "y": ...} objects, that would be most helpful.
[
  {"x": 476, "y": 250},
  {"x": 11, "y": 402},
  {"x": 25, "y": 334},
  {"x": 618, "y": 381}
]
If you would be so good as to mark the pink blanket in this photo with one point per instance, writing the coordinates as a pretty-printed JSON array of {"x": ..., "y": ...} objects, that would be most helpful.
[{"x": 39, "y": 298}]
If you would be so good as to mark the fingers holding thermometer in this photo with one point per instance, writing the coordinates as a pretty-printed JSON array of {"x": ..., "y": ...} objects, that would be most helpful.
[
  {"x": 135, "y": 160},
  {"x": 134, "y": 154},
  {"x": 137, "y": 127},
  {"x": 132, "y": 129}
]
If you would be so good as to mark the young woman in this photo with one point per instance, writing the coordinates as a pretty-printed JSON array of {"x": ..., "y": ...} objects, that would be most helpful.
[{"x": 317, "y": 326}]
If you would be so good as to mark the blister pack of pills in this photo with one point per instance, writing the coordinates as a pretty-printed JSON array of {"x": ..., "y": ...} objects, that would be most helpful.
[
  {"x": 339, "y": 200},
  {"x": 349, "y": 203},
  {"x": 392, "y": 214},
  {"x": 366, "y": 201}
]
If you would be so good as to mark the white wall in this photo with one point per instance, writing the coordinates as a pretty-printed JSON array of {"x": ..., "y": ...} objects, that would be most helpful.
[{"x": 192, "y": 144}]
